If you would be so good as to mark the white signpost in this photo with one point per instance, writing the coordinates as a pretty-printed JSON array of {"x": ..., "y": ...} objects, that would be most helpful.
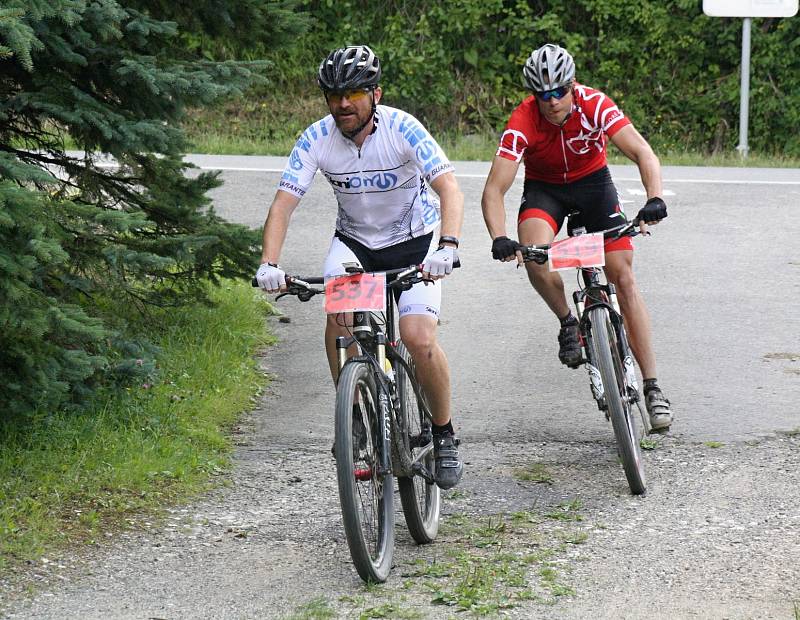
[{"x": 747, "y": 9}]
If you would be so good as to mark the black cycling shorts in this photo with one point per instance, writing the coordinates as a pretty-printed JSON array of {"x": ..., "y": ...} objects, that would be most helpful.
[
  {"x": 592, "y": 200},
  {"x": 404, "y": 254}
]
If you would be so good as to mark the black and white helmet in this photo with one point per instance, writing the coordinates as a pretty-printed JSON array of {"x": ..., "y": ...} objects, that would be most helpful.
[
  {"x": 355, "y": 66},
  {"x": 548, "y": 67}
]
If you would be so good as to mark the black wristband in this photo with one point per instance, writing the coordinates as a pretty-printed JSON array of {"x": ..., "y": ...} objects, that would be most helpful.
[
  {"x": 272, "y": 264},
  {"x": 448, "y": 239}
]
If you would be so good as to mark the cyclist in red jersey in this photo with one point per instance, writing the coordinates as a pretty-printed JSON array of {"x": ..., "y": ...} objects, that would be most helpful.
[{"x": 561, "y": 133}]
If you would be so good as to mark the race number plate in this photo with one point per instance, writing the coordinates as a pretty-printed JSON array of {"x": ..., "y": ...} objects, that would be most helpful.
[
  {"x": 354, "y": 292},
  {"x": 580, "y": 251}
]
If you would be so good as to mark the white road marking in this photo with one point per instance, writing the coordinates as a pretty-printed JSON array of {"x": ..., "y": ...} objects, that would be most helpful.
[
  {"x": 470, "y": 175},
  {"x": 641, "y": 192}
]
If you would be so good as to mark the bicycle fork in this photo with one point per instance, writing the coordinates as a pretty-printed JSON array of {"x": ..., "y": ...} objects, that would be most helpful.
[{"x": 608, "y": 292}]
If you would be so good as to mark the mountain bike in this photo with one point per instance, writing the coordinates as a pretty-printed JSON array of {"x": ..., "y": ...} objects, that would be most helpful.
[
  {"x": 383, "y": 426},
  {"x": 606, "y": 352}
]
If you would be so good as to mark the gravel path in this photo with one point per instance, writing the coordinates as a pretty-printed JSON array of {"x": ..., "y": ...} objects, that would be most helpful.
[{"x": 715, "y": 537}]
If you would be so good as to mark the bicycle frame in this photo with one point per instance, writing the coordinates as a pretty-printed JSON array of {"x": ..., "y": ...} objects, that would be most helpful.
[
  {"x": 599, "y": 294},
  {"x": 376, "y": 336}
]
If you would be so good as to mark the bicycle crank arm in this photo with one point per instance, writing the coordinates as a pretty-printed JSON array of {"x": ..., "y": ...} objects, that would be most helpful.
[{"x": 418, "y": 469}]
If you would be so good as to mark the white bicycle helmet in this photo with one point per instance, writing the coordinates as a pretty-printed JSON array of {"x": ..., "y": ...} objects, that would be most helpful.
[
  {"x": 548, "y": 68},
  {"x": 355, "y": 66}
]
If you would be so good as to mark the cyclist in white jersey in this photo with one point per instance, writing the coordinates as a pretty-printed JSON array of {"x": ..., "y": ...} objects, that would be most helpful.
[{"x": 382, "y": 165}]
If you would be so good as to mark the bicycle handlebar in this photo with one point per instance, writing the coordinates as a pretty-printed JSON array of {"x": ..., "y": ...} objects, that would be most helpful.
[
  {"x": 403, "y": 278},
  {"x": 538, "y": 253}
]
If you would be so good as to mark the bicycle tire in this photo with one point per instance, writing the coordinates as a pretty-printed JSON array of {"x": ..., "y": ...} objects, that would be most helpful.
[
  {"x": 366, "y": 495},
  {"x": 421, "y": 500},
  {"x": 605, "y": 350}
]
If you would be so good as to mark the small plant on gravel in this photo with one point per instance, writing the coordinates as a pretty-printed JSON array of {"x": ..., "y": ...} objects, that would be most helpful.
[
  {"x": 389, "y": 610},
  {"x": 713, "y": 444},
  {"x": 566, "y": 511},
  {"x": 494, "y": 563},
  {"x": 315, "y": 609},
  {"x": 432, "y": 569},
  {"x": 488, "y": 533},
  {"x": 648, "y": 444},
  {"x": 575, "y": 538},
  {"x": 534, "y": 472},
  {"x": 524, "y": 517}
]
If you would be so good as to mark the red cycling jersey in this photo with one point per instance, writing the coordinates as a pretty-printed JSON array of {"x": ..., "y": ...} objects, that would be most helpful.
[{"x": 562, "y": 154}]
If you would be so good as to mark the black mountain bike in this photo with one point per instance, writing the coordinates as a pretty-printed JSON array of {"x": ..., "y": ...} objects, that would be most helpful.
[
  {"x": 383, "y": 425},
  {"x": 606, "y": 352}
]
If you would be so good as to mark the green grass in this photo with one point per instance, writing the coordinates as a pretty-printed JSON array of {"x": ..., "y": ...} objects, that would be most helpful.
[
  {"x": 567, "y": 511},
  {"x": 271, "y": 127},
  {"x": 65, "y": 478},
  {"x": 315, "y": 609},
  {"x": 648, "y": 444},
  {"x": 498, "y": 562},
  {"x": 534, "y": 472},
  {"x": 713, "y": 444}
]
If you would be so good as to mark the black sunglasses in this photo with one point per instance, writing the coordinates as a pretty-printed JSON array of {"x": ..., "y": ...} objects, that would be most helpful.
[{"x": 558, "y": 93}]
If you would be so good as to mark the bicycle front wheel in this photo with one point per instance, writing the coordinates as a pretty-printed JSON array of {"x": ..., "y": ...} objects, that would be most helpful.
[
  {"x": 421, "y": 499},
  {"x": 365, "y": 491},
  {"x": 609, "y": 359}
]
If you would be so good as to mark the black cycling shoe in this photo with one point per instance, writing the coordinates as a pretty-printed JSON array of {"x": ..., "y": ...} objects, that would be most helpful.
[
  {"x": 569, "y": 341},
  {"x": 659, "y": 410},
  {"x": 449, "y": 467},
  {"x": 359, "y": 435}
]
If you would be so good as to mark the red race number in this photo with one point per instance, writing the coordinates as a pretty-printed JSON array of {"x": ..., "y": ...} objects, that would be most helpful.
[
  {"x": 355, "y": 292},
  {"x": 580, "y": 251}
]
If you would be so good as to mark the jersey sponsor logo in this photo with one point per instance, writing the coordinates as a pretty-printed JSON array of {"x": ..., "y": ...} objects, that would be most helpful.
[
  {"x": 303, "y": 143},
  {"x": 430, "y": 209},
  {"x": 291, "y": 187},
  {"x": 584, "y": 142},
  {"x": 383, "y": 181},
  {"x": 290, "y": 178},
  {"x": 439, "y": 169},
  {"x": 294, "y": 160},
  {"x": 405, "y": 309},
  {"x": 610, "y": 117},
  {"x": 426, "y": 149}
]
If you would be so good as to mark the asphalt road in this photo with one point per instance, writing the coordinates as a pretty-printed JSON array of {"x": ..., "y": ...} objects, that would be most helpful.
[{"x": 721, "y": 277}]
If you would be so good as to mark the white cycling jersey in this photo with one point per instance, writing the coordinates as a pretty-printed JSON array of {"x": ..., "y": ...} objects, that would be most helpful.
[{"x": 381, "y": 188}]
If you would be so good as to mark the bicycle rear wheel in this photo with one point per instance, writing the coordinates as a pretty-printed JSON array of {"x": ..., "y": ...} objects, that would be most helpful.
[
  {"x": 365, "y": 492},
  {"x": 421, "y": 499},
  {"x": 608, "y": 357}
]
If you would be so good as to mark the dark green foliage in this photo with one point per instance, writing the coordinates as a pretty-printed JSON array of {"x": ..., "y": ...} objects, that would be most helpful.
[
  {"x": 77, "y": 230},
  {"x": 674, "y": 70}
]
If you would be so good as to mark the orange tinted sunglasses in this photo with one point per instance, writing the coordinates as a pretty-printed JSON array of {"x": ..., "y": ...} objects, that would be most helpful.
[{"x": 351, "y": 94}]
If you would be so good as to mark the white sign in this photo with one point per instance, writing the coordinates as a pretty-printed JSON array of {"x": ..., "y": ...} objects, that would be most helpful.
[{"x": 750, "y": 8}]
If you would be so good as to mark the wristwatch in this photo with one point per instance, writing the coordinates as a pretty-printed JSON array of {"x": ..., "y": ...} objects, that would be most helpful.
[{"x": 448, "y": 239}]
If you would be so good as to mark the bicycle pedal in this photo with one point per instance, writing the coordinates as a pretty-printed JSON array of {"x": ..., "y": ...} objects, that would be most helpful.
[{"x": 418, "y": 469}]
